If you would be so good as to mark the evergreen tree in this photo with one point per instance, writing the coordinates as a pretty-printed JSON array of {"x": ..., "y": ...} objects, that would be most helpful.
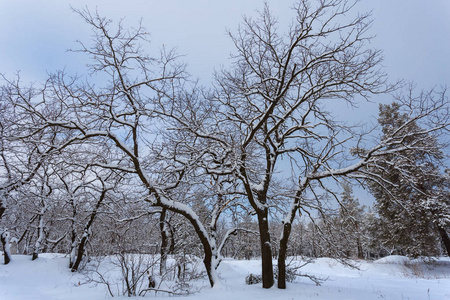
[
  {"x": 350, "y": 219},
  {"x": 405, "y": 183}
]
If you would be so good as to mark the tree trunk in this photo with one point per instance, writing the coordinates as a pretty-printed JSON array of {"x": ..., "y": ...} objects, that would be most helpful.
[
  {"x": 6, "y": 246},
  {"x": 210, "y": 259},
  {"x": 282, "y": 255},
  {"x": 80, "y": 252},
  {"x": 73, "y": 248},
  {"x": 87, "y": 232},
  {"x": 2, "y": 202},
  {"x": 73, "y": 237},
  {"x": 73, "y": 256},
  {"x": 211, "y": 264},
  {"x": 284, "y": 239},
  {"x": 190, "y": 215},
  {"x": 41, "y": 236},
  {"x": 360, "y": 249},
  {"x": 266, "y": 249},
  {"x": 445, "y": 239},
  {"x": 164, "y": 251}
]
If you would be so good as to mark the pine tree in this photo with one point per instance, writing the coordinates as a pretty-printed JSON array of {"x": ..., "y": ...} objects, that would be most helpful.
[
  {"x": 406, "y": 181},
  {"x": 350, "y": 218}
]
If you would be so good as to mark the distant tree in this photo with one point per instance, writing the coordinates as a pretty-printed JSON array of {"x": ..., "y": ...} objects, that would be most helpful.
[
  {"x": 373, "y": 247},
  {"x": 21, "y": 156},
  {"x": 351, "y": 223},
  {"x": 438, "y": 205}
]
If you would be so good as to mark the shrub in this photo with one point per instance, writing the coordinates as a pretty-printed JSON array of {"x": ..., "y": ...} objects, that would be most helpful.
[
  {"x": 253, "y": 279},
  {"x": 291, "y": 274}
]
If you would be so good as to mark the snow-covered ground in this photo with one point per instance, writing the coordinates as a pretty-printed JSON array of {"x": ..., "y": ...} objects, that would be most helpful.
[{"x": 392, "y": 277}]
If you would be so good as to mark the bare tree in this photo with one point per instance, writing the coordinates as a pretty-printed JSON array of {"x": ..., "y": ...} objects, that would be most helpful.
[
  {"x": 20, "y": 159},
  {"x": 273, "y": 101},
  {"x": 126, "y": 118},
  {"x": 263, "y": 132},
  {"x": 273, "y": 104},
  {"x": 101, "y": 192}
]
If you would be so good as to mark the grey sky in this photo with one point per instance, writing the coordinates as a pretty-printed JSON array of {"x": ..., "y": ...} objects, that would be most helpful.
[
  {"x": 414, "y": 34},
  {"x": 34, "y": 35}
]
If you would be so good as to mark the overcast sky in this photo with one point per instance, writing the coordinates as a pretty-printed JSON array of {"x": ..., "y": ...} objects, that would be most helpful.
[
  {"x": 414, "y": 34},
  {"x": 34, "y": 35}
]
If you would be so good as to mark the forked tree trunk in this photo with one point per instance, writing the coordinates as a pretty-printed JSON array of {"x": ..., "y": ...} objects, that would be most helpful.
[
  {"x": 211, "y": 263},
  {"x": 87, "y": 232},
  {"x": 80, "y": 252},
  {"x": 209, "y": 259}
]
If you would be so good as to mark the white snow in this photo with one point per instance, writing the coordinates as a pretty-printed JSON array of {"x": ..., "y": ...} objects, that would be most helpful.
[
  {"x": 393, "y": 259},
  {"x": 48, "y": 277},
  {"x": 394, "y": 277}
]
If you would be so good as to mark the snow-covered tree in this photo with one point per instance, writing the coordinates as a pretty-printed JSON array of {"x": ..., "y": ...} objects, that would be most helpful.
[
  {"x": 133, "y": 115},
  {"x": 409, "y": 183},
  {"x": 5, "y": 239},
  {"x": 349, "y": 224},
  {"x": 263, "y": 134},
  {"x": 437, "y": 204},
  {"x": 272, "y": 103}
]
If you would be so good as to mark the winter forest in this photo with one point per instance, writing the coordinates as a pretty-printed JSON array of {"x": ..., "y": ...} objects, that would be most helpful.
[{"x": 139, "y": 165}]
